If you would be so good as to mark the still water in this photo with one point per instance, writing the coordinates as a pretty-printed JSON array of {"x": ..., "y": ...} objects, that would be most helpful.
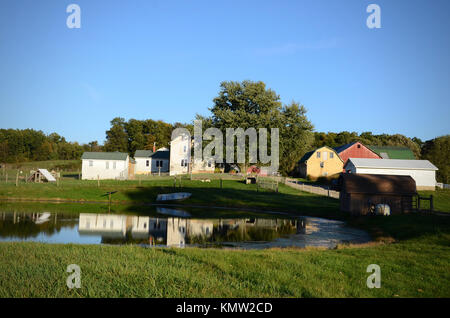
[{"x": 176, "y": 228}]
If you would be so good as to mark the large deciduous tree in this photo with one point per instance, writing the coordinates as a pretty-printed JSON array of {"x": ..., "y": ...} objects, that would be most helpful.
[
  {"x": 116, "y": 136},
  {"x": 438, "y": 152},
  {"x": 250, "y": 104}
]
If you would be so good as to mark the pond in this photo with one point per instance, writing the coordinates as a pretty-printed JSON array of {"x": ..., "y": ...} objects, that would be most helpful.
[{"x": 174, "y": 227}]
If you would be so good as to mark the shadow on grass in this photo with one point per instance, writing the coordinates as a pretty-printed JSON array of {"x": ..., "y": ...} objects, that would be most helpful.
[{"x": 294, "y": 204}]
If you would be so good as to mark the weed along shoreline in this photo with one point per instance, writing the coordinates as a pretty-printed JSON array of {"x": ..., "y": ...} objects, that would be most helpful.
[{"x": 234, "y": 215}]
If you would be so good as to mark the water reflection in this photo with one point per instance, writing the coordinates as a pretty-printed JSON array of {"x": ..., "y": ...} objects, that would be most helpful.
[{"x": 92, "y": 228}]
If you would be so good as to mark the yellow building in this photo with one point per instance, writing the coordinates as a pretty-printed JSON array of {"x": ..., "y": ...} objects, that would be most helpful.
[{"x": 322, "y": 162}]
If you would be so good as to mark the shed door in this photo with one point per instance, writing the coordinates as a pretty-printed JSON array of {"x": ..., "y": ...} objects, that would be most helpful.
[{"x": 325, "y": 155}]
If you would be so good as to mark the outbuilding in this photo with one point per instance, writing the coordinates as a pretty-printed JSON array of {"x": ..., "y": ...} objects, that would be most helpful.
[
  {"x": 148, "y": 162},
  {"x": 422, "y": 171},
  {"x": 105, "y": 165},
  {"x": 360, "y": 193}
]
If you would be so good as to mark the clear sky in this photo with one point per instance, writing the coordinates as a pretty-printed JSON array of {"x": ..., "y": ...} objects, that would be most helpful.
[{"x": 165, "y": 60}]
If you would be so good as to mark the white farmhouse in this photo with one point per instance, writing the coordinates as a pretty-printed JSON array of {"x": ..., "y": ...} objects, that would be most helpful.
[
  {"x": 148, "y": 162},
  {"x": 180, "y": 154},
  {"x": 105, "y": 165},
  {"x": 181, "y": 161},
  {"x": 422, "y": 171}
]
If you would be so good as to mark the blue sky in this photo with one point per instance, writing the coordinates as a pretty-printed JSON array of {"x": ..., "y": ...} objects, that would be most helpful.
[{"x": 166, "y": 59}]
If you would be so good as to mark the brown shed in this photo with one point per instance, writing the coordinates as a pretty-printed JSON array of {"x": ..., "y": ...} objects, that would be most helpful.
[{"x": 360, "y": 193}]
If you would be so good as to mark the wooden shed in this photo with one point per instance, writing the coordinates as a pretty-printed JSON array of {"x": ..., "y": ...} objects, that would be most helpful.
[
  {"x": 360, "y": 193},
  {"x": 41, "y": 175}
]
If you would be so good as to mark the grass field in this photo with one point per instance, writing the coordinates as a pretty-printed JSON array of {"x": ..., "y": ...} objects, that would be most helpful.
[
  {"x": 412, "y": 250},
  {"x": 233, "y": 194},
  {"x": 416, "y": 267}
]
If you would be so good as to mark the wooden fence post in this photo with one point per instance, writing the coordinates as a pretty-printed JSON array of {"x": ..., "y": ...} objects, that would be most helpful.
[
  {"x": 17, "y": 178},
  {"x": 98, "y": 181}
]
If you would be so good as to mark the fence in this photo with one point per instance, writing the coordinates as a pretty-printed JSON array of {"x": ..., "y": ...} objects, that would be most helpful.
[
  {"x": 312, "y": 189},
  {"x": 267, "y": 183},
  {"x": 443, "y": 185}
]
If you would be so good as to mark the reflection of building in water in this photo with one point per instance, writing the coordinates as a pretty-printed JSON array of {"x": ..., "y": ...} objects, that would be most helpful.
[
  {"x": 181, "y": 231},
  {"x": 170, "y": 231},
  {"x": 176, "y": 231},
  {"x": 106, "y": 225}
]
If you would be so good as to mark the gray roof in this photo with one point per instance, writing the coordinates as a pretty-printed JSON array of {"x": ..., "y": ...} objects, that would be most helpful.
[
  {"x": 105, "y": 155},
  {"x": 392, "y": 164},
  {"x": 143, "y": 153},
  {"x": 163, "y": 154},
  {"x": 160, "y": 154}
]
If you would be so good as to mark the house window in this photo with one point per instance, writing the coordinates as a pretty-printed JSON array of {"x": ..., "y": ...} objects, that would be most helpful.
[
  {"x": 359, "y": 146},
  {"x": 318, "y": 154},
  {"x": 331, "y": 155},
  {"x": 91, "y": 163},
  {"x": 321, "y": 164},
  {"x": 114, "y": 165},
  {"x": 159, "y": 164},
  {"x": 184, "y": 148},
  {"x": 209, "y": 164},
  {"x": 182, "y": 162},
  {"x": 107, "y": 164},
  {"x": 147, "y": 163}
]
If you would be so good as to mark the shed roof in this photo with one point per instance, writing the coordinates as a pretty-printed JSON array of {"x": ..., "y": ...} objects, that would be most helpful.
[
  {"x": 377, "y": 184},
  {"x": 143, "y": 153},
  {"x": 161, "y": 154},
  {"x": 105, "y": 155},
  {"x": 391, "y": 164},
  {"x": 390, "y": 152},
  {"x": 47, "y": 175}
]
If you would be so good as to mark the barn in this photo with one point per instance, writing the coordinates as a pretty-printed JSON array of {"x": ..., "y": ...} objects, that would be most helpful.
[
  {"x": 422, "y": 171},
  {"x": 355, "y": 150},
  {"x": 105, "y": 165},
  {"x": 360, "y": 193}
]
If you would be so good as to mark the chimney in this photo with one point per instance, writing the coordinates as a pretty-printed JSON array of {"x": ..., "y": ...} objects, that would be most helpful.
[{"x": 154, "y": 146}]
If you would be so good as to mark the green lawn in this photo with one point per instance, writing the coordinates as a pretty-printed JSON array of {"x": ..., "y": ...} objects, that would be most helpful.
[
  {"x": 412, "y": 250},
  {"x": 414, "y": 268},
  {"x": 441, "y": 199}
]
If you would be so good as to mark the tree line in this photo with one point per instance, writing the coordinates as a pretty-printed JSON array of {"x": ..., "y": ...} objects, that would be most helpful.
[
  {"x": 19, "y": 145},
  {"x": 238, "y": 104}
]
